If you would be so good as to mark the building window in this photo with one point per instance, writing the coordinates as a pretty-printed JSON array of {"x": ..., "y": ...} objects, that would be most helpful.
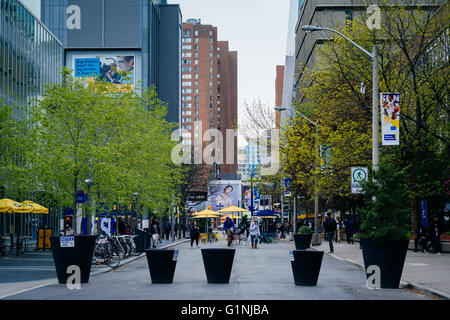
[
  {"x": 196, "y": 40},
  {"x": 196, "y": 61},
  {"x": 186, "y": 90},
  {"x": 187, "y": 127},
  {"x": 210, "y": 48},
  {"x": 186, "y": 112},
  {"x": 187, "y": 76},
  {"x": 210, "y": 76},
  {"x": 186, "y": 40},
  {"x": 186, "y": 120},
  {"x": 196, "y": 54},
  {"x": 186, "y": 55},
  {"x": 210, "y": 33},
  {"x": 187, "y": 47},
  {"x": 186, "y": 33},
  {"x": 210, "y": 98},
  {"x": 218, "y": 75},
  {"x": 186, "y": 69},
  {"x": 210, "y": 69},
  {"x": 218, "y": 49},
  {"x": 196, "y": 98},
  {"x": 211, "y": 83},
  {"x": 210, "y": 40},
  {"x": 196, "y": 112},
  {"x": 195, "y": 47},
  {"x": 186, "y": 61},
  {"x": 186, "y": 98},
  {"x": 186, "y": 83},
  {"x": 196, "y": 105},
  {"x": 186, "y": 105},
  {"x": 210, "y": 61},
  {"x": 210, "y": 91},
  {"x": 210, "y": 55},
  {"x": 196, "y": 90},
  {"x": 196, "y": 33},
  {"x": 210, "y": 105},
  {"x": 196, "y": 76},
  {"x": 196, "y": 83},
  {"x": 196, "y": 68}
]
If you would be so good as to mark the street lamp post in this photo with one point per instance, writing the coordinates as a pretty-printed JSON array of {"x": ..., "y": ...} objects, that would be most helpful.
[
  {"x": 375, "y": 118},
  {"x": 315, "y": 240}
]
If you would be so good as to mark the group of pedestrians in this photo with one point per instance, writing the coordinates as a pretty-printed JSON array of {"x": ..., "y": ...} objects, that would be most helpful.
[{"x": 423, "y": 235}]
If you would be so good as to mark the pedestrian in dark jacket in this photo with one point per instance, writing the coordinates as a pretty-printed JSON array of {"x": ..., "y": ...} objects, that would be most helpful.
[
  {"x": 195, "y": 233},
  {"x": 330, "y": 227},
  {"x": 155, "y": 231},
  {"x": 433, "y": 235},
  {"x": 421, "y": 238},
  {"x": 167, "y": 228},
  {"x": 349, "y": 230},
  {"x": 176, "y": 227}
]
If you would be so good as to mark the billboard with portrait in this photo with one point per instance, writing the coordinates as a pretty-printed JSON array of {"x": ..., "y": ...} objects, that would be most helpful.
[
  {"x": 224, "y": 193},
  {"x": 107, "y": 68}
]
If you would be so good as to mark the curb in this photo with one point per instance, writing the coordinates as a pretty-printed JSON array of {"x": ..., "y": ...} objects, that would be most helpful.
[
  {"x": 128, "y": 260},
  {"x": 403, "y": 284}
]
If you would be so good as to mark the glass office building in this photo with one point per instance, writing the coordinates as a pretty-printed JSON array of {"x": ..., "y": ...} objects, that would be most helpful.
[
  {"x": 30, "y": 58},
  {"x": 30, "y": 55}
]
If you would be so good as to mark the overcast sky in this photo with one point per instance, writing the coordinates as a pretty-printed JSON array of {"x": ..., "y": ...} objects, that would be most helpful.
[{"x": 257, "y": 30}]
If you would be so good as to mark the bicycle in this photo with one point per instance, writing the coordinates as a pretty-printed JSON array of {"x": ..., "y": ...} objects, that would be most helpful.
[{"x": 104, "y": 254}]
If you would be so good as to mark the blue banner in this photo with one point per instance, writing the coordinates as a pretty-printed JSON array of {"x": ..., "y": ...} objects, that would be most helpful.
[{"x": 424, "y": 213}]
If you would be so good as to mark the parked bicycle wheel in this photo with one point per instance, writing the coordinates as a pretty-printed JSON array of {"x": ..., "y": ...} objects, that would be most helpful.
[{"x": 112, "y": 260}]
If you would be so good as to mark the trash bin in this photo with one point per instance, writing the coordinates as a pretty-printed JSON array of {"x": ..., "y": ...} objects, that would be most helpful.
[{"x": 142, "y": 240}]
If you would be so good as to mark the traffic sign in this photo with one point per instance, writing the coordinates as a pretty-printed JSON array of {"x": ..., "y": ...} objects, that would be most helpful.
[{"x": 358, "y": 174}]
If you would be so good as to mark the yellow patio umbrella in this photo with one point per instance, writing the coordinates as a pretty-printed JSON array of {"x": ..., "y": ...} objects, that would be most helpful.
[
  {"x": 37, "y": 208},
  {"x": 232, "y": 209},
  {"x": 8, "y": 205},
  {"x": 303, "y": 216},
  {"x": 205, "y": 214}
]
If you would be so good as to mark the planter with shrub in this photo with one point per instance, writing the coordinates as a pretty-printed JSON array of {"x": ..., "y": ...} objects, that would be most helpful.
[{"x": 384, "y": 233}]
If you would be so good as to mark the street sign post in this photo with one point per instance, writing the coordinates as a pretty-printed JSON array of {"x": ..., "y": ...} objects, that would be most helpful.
[{"x": 358, "y": 174}]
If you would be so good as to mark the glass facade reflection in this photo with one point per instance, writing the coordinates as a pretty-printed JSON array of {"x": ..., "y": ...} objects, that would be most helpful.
[{"x": 30, "y": 55}]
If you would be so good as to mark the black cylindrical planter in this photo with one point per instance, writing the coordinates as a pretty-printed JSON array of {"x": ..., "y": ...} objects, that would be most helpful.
[
  {"x": 218, "y": 263},
  {"x": 302, "y": 241},
  {"x": 306, "y": 267},
  {"x": 161, "y": 263},
  {"x": 389, "y": 257},
  {"x": 80, "y": 255}
]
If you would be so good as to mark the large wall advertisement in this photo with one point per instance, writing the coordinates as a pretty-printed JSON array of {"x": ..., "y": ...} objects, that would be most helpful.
[
  {"x": 107, "y": 68},
  {"x": 224, "y": 193}
]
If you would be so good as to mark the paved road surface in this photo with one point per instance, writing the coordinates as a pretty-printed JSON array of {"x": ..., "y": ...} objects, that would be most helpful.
[{"x": 258, "y": 274}]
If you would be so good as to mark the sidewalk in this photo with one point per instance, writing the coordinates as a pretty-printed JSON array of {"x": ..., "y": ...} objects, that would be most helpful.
[
  {"x": 422, "y": 271},
  {"x": 36, "y": 269}
]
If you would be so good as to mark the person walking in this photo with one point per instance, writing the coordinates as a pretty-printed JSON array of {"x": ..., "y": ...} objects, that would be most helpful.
[
  {"x": 229, "y": 227},
  {"x": 254, "y": 234},
  {"x": 195, "y": 233},
  {"x": 338, "y": 229},
  {"x": 155, "y": 231},
  {"x": 175, "y": 229},
  {"x": 167, "y": 228},
  {"x": 349, "y": 230},
  {"x": 433, "y": 235},
  {"x": 282, "y": 229},
  {"x": 330, "y": 227},
  {"x": 421, "y": 238}
]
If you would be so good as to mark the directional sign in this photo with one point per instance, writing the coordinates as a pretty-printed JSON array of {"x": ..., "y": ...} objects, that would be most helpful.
[{"x": 358, "y": 174}]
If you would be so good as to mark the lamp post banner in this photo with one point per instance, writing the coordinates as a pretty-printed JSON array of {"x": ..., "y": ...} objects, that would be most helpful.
[{"x": 390, "y": 118}]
